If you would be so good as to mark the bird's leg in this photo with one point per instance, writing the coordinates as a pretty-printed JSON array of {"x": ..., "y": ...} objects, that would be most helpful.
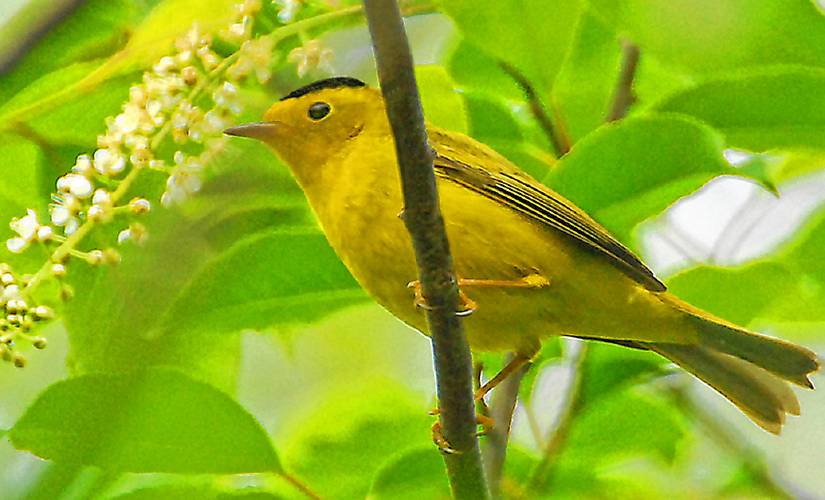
[
  {"x": 517, "y": 362},
  {"x": 468, "y": 306}
]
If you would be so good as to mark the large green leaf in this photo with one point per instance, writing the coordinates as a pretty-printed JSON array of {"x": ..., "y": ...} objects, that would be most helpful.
[
  {"x": 443, "y": 107},
  {"x": 625, "y": 173},
  {"x": 193, "y": 491},
  {"x": 761, "y": 110},
  {"x": 623, "y": 424},
  {"x": 708, "y": 35},
  {"x": 531, "y": 35},
  {"x": 148, "y": 421},
  {"x": 587, "y": 80}
]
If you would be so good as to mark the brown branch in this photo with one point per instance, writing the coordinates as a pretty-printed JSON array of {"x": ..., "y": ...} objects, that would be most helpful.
[
  {"x": 502, "y": 407},
  {"x": 422, "y": 216},
  {"x": 623, "y": 96},
  {"x": 556, "y": 134}
]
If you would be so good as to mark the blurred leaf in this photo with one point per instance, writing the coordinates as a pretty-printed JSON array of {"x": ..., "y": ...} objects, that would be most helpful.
[
  {"x": 531, "y": 35},
  {"x": 413, "y": 474},
  {"x": 473, "y": 69},
  {"x": 150, "y": 421},
  {"x": 586, "y": 83},
  {"x": 194, "y": 491},
  {"x": 86, "y": 113},
  {"x": 794, "y": 164},
  {"x": 47, "y": 85},
  {"x": 95, "y": 29},
  {"x": 363, "y": 424},
  {"x": 624, "y": 173},
  {"x": 770, "y": 108},
  {"x": 242, "y": 254},
  {"x": 708, "y": 35},
  {"x": 608, "y": 369},
  {"x": 283, "y": 277},
  {"x": 788, "y": 286},
  {"x": 623, "y": 424},
  {"x": 443, "y": 106}
]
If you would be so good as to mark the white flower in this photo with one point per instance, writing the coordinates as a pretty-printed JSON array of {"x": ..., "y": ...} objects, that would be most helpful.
[
  {"x": 27, "y": 228},
  {"x": 255, "y": 55},
  {"x": 108, "y": 162},
  {"x": 311, "y": 56},
  {"x": 288, "y": 9},
  {"x": 75, "y": 184}
]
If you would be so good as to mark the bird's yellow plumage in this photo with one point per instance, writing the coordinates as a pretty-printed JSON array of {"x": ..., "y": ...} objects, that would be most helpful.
[{"x": 532, "y": 264}]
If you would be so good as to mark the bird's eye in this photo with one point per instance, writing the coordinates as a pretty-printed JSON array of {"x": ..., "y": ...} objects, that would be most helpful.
[{"x": 319, "y": 110}]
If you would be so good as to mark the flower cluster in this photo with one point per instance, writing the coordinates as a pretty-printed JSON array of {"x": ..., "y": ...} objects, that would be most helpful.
[{"x": 186, "y": 100}]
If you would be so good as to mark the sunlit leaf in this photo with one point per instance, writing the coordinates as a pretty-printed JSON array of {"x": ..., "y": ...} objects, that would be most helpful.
[
  {"x": 533, "y": 36},
  {"x": 761, "y": 110},
  {"x": 150, "y": 421},
  {"x": 708, "y": 35},
  {"x": 586, "y": 83},
  {"x": 443, "y": 107},
  {"x": 624, "y": 173},
  {"x": 191, "y": 492}
]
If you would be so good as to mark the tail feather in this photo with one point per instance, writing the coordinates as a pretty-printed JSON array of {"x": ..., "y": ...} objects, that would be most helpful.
[
  {"x": 757, "y": 393},
  {"x": 784, "y": 359}
]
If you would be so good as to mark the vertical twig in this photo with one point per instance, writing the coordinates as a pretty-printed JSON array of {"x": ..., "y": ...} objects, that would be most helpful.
[
  {"x": 558, "y": 436},
  {"x": 554, "y": 130},
  {"x": 623, "y": 96},
  {"x": 502, "y": 407},
  {"x": 422, "y": 216}
]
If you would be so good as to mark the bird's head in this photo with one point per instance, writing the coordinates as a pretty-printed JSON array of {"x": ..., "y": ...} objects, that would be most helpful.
[{"x": 315, "y": 123}]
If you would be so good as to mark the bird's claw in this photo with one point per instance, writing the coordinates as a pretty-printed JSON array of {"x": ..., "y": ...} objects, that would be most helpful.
[{"x": 468, "y": 306}]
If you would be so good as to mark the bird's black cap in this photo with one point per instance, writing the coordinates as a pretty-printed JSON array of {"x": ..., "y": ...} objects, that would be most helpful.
[{"x": 329, "y": 83}]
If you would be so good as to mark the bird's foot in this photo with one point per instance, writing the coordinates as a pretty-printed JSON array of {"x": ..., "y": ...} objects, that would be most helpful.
[
  {"x": 467, "y": 305},
  {"x": 486, "y": 423}
]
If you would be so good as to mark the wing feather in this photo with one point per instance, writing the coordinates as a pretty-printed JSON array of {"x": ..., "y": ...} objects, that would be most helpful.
[{"x": 514, "y": 189}]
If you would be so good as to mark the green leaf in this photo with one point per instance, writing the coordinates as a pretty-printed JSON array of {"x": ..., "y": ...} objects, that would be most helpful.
[
  {"x": 708, "y": 35},
  {"x": 194, "y": 491},
  {"x": 624, "y": 173},
  {"x": 95, "y": 29},
  {"x": 443, "y": 106},
  {"x": 416, "y": 473},
  {"x": 621, "y": 425},
  {"x": 359, "y": 424},
  {"x": 267, "y": 279},
  {"x": 150, "y": 421},
  {"x": 586, "y": 83},
  {"x": 472, "y": 68},
  {"x": 760, "y": 110},
  {"x": 608, "y": 369},
  {"x": 520, "y": 33}
]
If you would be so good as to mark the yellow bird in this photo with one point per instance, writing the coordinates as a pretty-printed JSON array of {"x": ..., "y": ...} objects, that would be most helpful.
[{"x": 530, "y": 264}]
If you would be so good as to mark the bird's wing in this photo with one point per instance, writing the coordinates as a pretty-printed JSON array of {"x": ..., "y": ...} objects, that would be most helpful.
[{"x": 514, "y": 189}]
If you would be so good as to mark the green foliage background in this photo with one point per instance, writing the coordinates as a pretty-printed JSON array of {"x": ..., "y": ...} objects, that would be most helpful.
[{"x": 234, "y": 346}]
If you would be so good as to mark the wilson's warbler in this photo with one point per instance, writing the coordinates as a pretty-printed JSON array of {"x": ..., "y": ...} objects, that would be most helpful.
[{"x": 530, "y": 264}]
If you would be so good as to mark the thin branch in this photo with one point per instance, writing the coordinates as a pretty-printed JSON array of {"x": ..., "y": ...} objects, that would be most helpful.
[
  {"x": 623, "y": 96},
  {"x": 298, "y": 485},
  {"x": 501, "y": 410},
  {"x": 422, "y": 216},
  {"x": 557, "y": 438},
  {"x": 556, "y": 134}
]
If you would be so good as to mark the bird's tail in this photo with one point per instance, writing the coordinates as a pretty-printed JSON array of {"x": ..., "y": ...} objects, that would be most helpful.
[{"x": 750, "y": 369}]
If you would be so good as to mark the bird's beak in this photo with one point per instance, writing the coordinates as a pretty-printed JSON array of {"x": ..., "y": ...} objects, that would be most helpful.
[{"x": 258, "y": 130}]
